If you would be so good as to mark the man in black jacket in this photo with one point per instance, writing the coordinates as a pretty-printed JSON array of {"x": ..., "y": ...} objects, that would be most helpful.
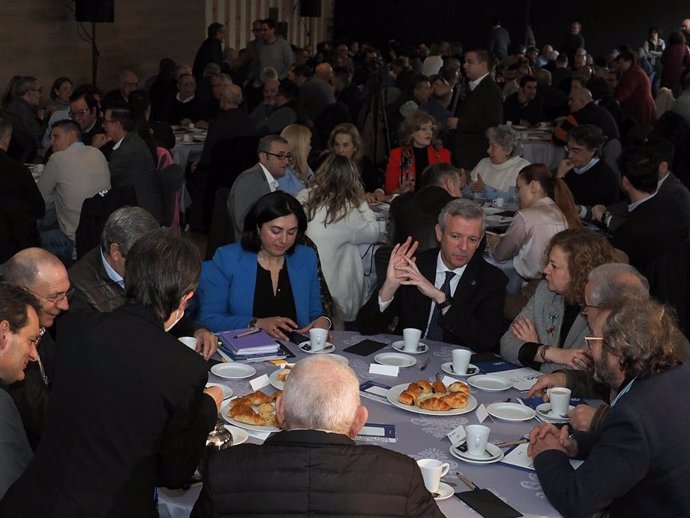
[
  {"x": 451, "y": 294},
  {"x": 211, "y": 50},
  {"x": 314, "y": 467}
]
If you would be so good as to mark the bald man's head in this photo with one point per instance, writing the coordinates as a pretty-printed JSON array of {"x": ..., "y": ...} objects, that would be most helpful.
[
  {"x": 324, "y": 71},
  {"x": 579, "y": 98}
]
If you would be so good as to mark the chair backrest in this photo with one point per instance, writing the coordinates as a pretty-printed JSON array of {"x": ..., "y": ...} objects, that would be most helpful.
[
  {"x": 94, "y": 213},
  {"x": 221, "y": 231},
  {"x": 612, "y": 150},
  {"x": 170, "y": 180}
]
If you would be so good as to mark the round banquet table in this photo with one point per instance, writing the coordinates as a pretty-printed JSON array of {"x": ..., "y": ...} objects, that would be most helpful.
[{"x": 419, "y": 436}]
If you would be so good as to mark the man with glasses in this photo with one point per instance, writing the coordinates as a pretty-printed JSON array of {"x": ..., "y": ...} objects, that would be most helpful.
[
  {"x": 19, "y": 333},
  {"x": 84, "y": 110},
  {"x": 45, "y": 277},
  {"x": 252, "y": 184},
  {"x": 120, "y": 98},
  {"x": 27, "y": 118}
]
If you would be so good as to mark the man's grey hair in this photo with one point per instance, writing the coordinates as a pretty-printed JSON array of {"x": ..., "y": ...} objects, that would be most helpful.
[
  {"x": 506, "y": 137},
  {"x": 462, "y": 208},
  {"x": 613, "y": 283},
  {"x": 125, "y": 226},
  {"x": 266, "y": 142},
  {"x": 321, "y": 394}
]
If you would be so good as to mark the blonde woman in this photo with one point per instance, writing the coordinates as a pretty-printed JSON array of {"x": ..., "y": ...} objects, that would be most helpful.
[
  {"x": 298, "y": 172},
  {"x": 340, "y": 220}
]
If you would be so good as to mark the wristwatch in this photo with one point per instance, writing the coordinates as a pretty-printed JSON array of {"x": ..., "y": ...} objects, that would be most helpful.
[
  {"x": 443, "y": 305},
  {"x": 252, "y": 322}
]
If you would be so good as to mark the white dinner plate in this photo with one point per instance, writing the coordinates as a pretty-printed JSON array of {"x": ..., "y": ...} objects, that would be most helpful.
[
  {"x": 511, "y": 411},
  {"x": 544, "y": 413},
  {"x": 238, "y": 434},
  {"x": 394, "y": 394},
  {"x": 488, "y": 383},
  {"x": 227, "y": 391},
  {"x": 305, "y": 347},
  {"x": 225, "y": 408},
  {"x": 273, "y": 378},
  {"x": 448, "y": 369},
  {"x": 395, "y": 359},
  {"x": 444, "y": 491},
  {"x": 494, "y": 454},
  {"x": 233, "y": 370},
  {"x": 421, "y": 348}
]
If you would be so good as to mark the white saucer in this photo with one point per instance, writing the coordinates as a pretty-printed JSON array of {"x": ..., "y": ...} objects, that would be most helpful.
[
  {"x": 395, "y": 359},
  {"x": 238, "y": 434},
  {"x": 421, "y": 348},
  {"x": 544, "y": 413},
  {"x": 340, "y": 358},
  {"x": 444, "y": 491},
  {"x": 493, "y": 454},
  {"x": 488, "y": 383},
  {"x": 305, "y": 347},
  {"x": 227, "y": 391},
  {"x": 448, "y": 369},
  {"x": 510, "y": 411},
  {"x": 233, "y": 370}
]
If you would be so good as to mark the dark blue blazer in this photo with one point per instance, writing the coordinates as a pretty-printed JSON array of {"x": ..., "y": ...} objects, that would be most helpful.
[{"x": 226, "y": 289}]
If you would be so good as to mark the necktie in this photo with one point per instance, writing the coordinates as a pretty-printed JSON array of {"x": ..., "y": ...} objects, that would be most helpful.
[{"x": 435, "y": 331}]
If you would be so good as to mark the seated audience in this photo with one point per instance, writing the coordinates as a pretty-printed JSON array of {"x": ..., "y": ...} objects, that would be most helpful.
[
  {"x": 316, "y": 466},
  {"x": 250, "y": 185},
  {"x": 339, "y": 220},
  {"x": 263, "y": 110},
  {"x": 634, "y": 91},
  {"x": 74, "y": 172},
  {"x": 317, "y": 93},
  {"x": 416, "y": 214},
  {"x": 60, "y": 93},
  {"x": 583, "y": 110},
  {"x": 451, "y": 294},
  {"x": 98, "y": 277},
  {"x": 549, "y": 332},
  {"x": 589, "y": 178},
  {"x": 21, "y": 203},
  {"x": 298, "y": 173},
  {"x": 131, "y": 162},
  {"x": 554, "y": 100},
  {"x": 186, "y": 108},
  {"x": 546, "y": 208},
  {"x": 495, "y": 175},
  {"x": 24, "y": 114},
  {"x": 267, "y": 280},
  {"x": 416, "y": 152},
  {"x": 120, "y": 98},
  {"x": 145, "y": 430},
  {"x": 42, "y": 274},
  {"x": 524, "y": 106},
  {"x": 636, "y": 464},
  {"x": 284, "y": 111},
  {"x": 675, "y": 60},
  {"x": 345, "y": 140},
  {"x": 85, "y": 111},
  {"x": 20, "y": 335}
]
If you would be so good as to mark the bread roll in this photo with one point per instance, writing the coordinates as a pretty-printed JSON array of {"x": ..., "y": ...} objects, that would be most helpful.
[
  {"x": 459, "y": 386},
  {"x": 455, "y": 400},
  {"x": 433, "y": 403},
  {"x": 439, "y": 387},
  {"x": 406, "y": 398},
  {"x": 425, "y": 386}
]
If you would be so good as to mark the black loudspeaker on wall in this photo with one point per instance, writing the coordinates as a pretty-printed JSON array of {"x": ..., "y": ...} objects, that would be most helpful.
[
  {"x": 310, "y": 8},
  {"x": 99, "y": 11}
]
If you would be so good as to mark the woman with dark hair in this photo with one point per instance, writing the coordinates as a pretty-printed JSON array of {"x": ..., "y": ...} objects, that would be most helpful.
[
  {"x": 163, "y": 88},
  {"x": 60, "y": 93},
  {"x": 546, "y": 208},
  {"x": 417, "y": 133},
  {"x": 549, "y": 333},
  {"x": 267, "y": 280}
]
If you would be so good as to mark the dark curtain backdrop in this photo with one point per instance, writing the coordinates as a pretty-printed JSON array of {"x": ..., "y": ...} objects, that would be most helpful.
[{"x": 606, "y": 23}]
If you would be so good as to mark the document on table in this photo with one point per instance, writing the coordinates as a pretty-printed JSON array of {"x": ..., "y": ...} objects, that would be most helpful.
[
  {"x": 521, "y": 379},
  {"x": 518, "y": 458}
]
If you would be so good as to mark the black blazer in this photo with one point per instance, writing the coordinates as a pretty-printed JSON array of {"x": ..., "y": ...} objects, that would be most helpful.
[
  {"x": 475, "y": 317},
  {"x": 127, "y": 414},
  {"x": 416, "y": 215}
]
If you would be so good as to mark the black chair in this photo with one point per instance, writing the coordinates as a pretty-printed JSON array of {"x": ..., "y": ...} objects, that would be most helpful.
[
  {"x": 17, "y": 232},
  {"x": 170, "y": 181},
  {"x": 94, "y": 213},
  {"x": 221, "y": 231}
]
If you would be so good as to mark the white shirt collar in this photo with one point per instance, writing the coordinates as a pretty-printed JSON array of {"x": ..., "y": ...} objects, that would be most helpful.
[
  {"x": 117, "y": 144},
  {"x": 186, "y": 100},
  {"x": 658, "y": 184},
  {"x": 584, "y": 169},
  {"x": 114, "y": 276},
  {"x": 633, "y": 206},
  {"x": 272, "y": 182},
  {"x": 475, "y": 83},
  {"x": 442, "y": 268}
]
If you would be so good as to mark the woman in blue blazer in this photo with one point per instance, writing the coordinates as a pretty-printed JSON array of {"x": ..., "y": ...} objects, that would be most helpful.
[{"x": 267, "y": 280}]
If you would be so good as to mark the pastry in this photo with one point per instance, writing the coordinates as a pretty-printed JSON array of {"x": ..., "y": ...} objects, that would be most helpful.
[
  {"x": 425, "y": 386},
  {"x": 455, "y": 400},
  {"x": 439, "y": 387},
  {"x": 433, "y": 403},
  {"x": 459, "y": 386}
]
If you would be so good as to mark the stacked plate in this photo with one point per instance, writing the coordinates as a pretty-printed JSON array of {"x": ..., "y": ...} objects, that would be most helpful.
[
  {"x": 545, "y": 414},
  {"x": 492, "y": 454}
]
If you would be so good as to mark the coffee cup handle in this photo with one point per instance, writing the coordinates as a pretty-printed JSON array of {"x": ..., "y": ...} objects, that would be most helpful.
[{"x": 445, "y": 467}]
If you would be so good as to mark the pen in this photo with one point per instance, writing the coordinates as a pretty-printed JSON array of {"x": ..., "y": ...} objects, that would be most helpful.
[
  {"x": 467, "y": 481},
  {"x": 247, "y": 333}
]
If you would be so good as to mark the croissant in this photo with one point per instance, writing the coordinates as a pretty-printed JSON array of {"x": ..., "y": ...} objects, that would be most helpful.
[
  {"x": 459, "y": 386},
  {"x": 406, "y": 398},
  {"x": 283, "y": 374},
  {"x": 439, "y": 387},
  {"x": 455, "y": 400},
  {"x": 433, "y": 403},
  {"x": 425, "y": 386},
  {"x": 257, "y": 398},
  {"x": 250, "y": 417}
]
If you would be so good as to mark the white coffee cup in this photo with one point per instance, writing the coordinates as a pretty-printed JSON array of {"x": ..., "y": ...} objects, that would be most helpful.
[
  {"x": 498, "y": 202},
  {"x": 186, "y": 138},
  {"x": 477, "y": 438},
  {"x": 317, "y": 338},
  {"x": 189, "y": 341},
  {"x": 432, "y": 471},
  {"x": 411, "y": 338},
  {"x": 461, "y": 360},
  {"x": 560, "y": 400}
]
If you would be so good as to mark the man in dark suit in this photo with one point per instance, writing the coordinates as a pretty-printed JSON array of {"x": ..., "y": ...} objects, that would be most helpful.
[
  {"x": 636, "y": 465},
  {"x": 499, "y": 40},
  {"x": 655, "y": 223},
  {"x": 481, "y": 110},
  {"x": 451, "y": 294},
  {"x": 416, "y": 214},
  {"x": 129, "y": 411},
  {"x": 252, "y": 184},
  {"x": 131, "y": 162}
]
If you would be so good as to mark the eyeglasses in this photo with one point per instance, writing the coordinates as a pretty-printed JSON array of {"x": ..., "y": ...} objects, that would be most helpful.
[
  {"x": 589, "y": 339},
  {"x": 280, "y": 156},
  {"x": 584, "y": 307},
  {"x": 79, "y": 113},
  {"x": 57, "y": 298}
]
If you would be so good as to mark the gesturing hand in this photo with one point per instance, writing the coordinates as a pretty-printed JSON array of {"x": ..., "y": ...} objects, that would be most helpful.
[
  {"x": 555, "y": 379},
  {"x": 277, "y": 326},
  {"x": 400, "y": 253},
  {"x": 409, "y": 275},
  {"x": 478, "y": 185}
]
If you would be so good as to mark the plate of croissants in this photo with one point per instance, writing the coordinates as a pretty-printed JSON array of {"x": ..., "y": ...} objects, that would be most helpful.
[
  {"x": 255, "y": 411},
  {"x": 433, "y": 398}
]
